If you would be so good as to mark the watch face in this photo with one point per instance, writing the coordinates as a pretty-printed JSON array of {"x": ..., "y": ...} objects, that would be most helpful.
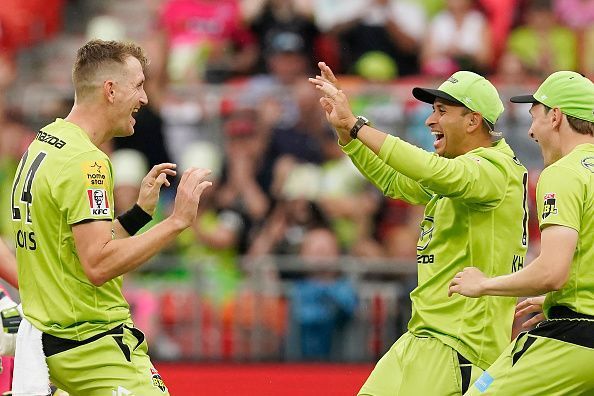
[{"x": 365, "y": 120}]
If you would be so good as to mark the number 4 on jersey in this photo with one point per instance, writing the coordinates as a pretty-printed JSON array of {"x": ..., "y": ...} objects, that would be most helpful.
[{"x": 26, "y": 196}]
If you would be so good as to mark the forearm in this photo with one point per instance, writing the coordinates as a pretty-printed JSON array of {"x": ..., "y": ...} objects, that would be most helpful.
[
  {"x": 384, "y": 177},
  {"x": 532, "y": 280},
  {"x": 119, "y": 256}
]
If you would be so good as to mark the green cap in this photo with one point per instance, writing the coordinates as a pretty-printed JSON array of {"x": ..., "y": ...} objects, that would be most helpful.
[
  {"x": 571, "y": 92},
  {"x": 467, "y": 89}
]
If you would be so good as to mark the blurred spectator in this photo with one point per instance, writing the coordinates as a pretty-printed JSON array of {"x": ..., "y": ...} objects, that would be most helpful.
[
  {"x": 458, "y": 39},
  {"x": 207, "y": 40},
  {"x": 391, "y": 27},
  {"x": 300, "y": 140},
  {"x": 14, "y": 139},
  {"x": 324, "y": 302},
  {"x": 273, "y": 94},
  {"x": 240, "y": 187},
  {"x": 576, "y": 14},
  {"x": 286, "y": 226},
  {"x": 579, "y": 15},
  {"x": 268, "y": 18},
  {"x": 541, "y": 44},
  {"x": 501, "y": 17},
  {"x": 27, "y": 22},
  {"x": 129, "y": 168},
  {"x": 212, "y": 244}
]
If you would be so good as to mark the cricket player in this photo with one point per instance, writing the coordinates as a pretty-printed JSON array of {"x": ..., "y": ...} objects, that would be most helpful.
[
  {"x": 556, "y": 357},
  {"x": 474, "y": 192},
  {"x": 71, "y": 252}
]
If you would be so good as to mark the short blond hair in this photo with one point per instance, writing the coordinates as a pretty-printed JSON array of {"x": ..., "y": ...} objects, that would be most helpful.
[{"x": 92, "y": 57}]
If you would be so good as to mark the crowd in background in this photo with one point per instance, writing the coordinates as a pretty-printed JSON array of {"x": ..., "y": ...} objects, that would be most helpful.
[{"x": 227, "y": 87}]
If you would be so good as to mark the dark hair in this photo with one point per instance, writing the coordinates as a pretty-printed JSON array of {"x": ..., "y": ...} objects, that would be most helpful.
[
  {"x": 97, "y": 53},
  {"x": 580, "y": 126},
  {"x": 486, "y": 125}
]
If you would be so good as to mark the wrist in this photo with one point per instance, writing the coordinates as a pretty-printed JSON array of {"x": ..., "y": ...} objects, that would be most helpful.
[
  {"x": 134, "y": 219},
  {"x": 486, "y": 286},
  {"x": 176, "y": 224},
  {"x": 343, "y": 132},
  {"x": 148, "y": 209}
]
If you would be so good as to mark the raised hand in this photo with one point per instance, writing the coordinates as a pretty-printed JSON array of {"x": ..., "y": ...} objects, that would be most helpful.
[
  {"x": 528, "y": 306},
  {"x": 150, "y": 187},
  {"x": 327, "y": 75},
  {"x": 336, "y": 105},
  {"x": 189, "y": 190}
]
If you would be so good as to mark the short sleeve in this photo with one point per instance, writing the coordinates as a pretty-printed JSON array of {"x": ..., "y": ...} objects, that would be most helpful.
[
  {"x": 83, "y": 189},
  {"x": 559, "y": 197}
]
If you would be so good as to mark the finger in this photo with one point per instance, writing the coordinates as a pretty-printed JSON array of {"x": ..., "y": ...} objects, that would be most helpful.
[
  {"x": 453, "y": 289},
  {"x": 523, "y": 304},
  {"x": 157, "y": 169},
  {"x": 200, "y": 188},
  {"x": 327, "y": 72},
  {"x": 161, "y": 179},
  {"x": 185, "y": 176},
  {"x": 203, "y": 173},
  {"x": 527, "y": 310},
  {"x": 533, "y": 321}
]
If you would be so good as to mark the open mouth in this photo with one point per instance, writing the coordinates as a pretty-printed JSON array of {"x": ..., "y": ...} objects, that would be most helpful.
[{"x": 438, "y": 135}]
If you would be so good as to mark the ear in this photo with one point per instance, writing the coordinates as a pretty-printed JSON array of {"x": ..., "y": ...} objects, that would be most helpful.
[
  {"x": 108, "y": 90},
  {"x": 556, "y": 117},
  {"x": 474, "y": 122}
]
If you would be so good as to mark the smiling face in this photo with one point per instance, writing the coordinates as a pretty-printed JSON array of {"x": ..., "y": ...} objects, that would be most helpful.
[
  {"x": 448, "y": 123},
  {"x": 128, "y": 96},
  {"x": 542, "y": 132}
]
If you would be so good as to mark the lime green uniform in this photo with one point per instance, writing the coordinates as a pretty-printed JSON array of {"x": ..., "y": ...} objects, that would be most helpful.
[
  {"x": 475, "y": 215},
  {"x": 63, "y": 179},
  {"x": 562, "y": 346}
]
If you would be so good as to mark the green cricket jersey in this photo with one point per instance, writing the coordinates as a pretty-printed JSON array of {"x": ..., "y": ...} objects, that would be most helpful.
[
  {"x": 565, "y": 196},
  {"x": 475, "y": 215},
  {"x": 63, "y": 179}
]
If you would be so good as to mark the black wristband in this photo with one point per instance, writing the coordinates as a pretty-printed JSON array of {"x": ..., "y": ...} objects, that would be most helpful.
[
  {"x": 358, "y": 125},
  {"x": 134, "y": 219}
]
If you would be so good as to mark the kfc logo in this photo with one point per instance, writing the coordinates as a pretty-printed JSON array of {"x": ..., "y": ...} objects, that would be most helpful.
[{"x": 98, "y": 202}]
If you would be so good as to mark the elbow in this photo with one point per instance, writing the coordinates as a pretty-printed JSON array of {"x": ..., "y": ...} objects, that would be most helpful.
[
  {"x": 96, "y": 276},
  {"x": 555, "y": 282}
]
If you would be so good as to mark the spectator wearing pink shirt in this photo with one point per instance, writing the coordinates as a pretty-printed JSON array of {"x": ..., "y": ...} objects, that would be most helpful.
[{"x": 207, "y": 40}]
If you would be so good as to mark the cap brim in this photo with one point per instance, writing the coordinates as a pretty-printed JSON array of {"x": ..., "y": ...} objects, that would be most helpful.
[
  {"x": 523, "y": 99},
  {"x": 428, "y": 95}
]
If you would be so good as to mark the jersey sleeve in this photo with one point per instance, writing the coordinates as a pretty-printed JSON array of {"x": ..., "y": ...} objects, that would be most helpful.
[
  {"x": 469, "y": 177},
  {"x": 384, "y": 177},
  {"x": 83, "y": 189},
  {"x": 559, "y": 195}
]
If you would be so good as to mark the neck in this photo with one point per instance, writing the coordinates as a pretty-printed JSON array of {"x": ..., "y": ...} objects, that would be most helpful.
[
  {"x": 574, "y": 139},
  {"x": 92, "y": 121}
]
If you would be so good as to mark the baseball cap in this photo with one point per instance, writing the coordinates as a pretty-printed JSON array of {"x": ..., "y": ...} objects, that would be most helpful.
[
  {"x": 467, "y": 89},
  {"x": 285, "y": 42},
  {"x": 571, "y": 92}
]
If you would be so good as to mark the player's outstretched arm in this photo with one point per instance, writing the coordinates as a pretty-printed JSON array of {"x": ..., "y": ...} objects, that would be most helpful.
[
  {"x": 8, "y": 266},
  {"x": 548, "y": 272},
  {"x": 104, "y": 258},
  {"x": 148, "y": 197}
]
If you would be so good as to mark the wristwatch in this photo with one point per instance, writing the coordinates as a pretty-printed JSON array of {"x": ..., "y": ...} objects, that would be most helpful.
[{"x": 358, "y": 125}]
